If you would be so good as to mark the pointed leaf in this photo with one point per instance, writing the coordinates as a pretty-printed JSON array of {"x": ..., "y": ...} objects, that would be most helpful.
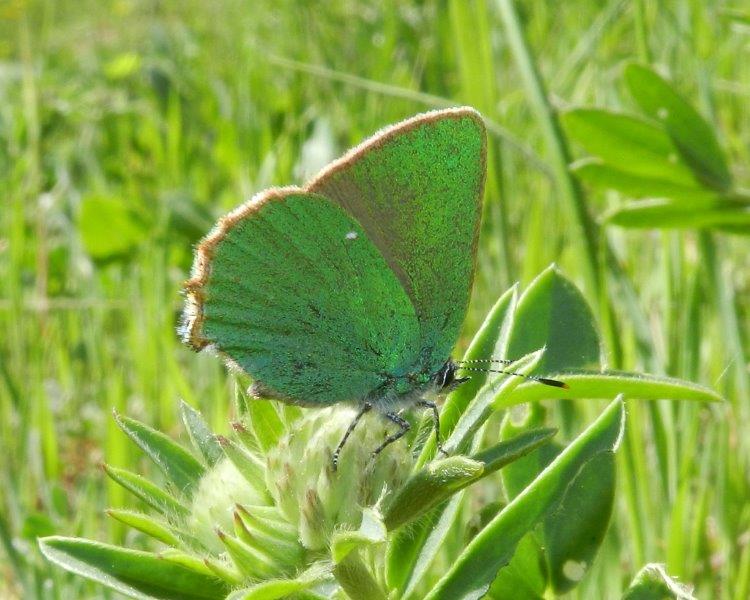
[
  {"x": 474, "y": 570},
  {"x": 134, "y": 573},
  {"x": 265, "y": 423},
  {"x": 252, "y": 562},
  {"x": 371, "y": 531},
  {"x": 525, "y": 577},
  {"x": 442, "y": 478},
  {"x": 180, "y": 467},
  {"x": 629, "y": 144},
  {"x": 357, "y": 580},
  {"x": 607, "y": 176},
  {"x": 147, "y": 524},
  {"x": 653, "y": 583},
  {"x": 150, "y": 493},
  {"x": 692, "y": 135},
  {"x": 574, "y": 532},
  {"x": 611, "y": 383},
  {"x": 200, "y": 434},
  {"x": 509, "y": 451},
  {"x": 246, "y": 463},
  {"x": 429, "y": 487},
  {"x": 660, "y": 214},
  {"x": 553, "y": 314}
]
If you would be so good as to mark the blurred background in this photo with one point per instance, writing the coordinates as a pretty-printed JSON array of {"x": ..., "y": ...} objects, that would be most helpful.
[{"x": 127, "y": 127}]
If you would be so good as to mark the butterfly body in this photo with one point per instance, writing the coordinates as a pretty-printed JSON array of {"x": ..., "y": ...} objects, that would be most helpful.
[{"x": 353, "y": 288}]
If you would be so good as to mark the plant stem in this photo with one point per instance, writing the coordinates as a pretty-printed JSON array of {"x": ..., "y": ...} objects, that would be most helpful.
[{"x": 570, "y": 190}]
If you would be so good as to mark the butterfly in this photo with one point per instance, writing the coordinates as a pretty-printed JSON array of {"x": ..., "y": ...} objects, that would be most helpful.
[{"x": 353, "y": 288}]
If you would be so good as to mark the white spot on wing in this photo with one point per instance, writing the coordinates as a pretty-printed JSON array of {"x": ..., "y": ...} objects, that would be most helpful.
[{"x": 352, "y": 235}]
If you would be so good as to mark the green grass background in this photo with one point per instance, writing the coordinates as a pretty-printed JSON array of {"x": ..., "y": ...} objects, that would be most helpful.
[{"x": 171, "y": 112}]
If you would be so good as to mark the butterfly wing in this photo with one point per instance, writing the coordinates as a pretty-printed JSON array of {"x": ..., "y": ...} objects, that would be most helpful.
[
  {"x": 290, "y": 288},
  {"x": 416, "y": 188}
]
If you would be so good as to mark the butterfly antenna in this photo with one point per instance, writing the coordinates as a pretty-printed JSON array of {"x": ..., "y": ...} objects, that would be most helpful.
[
  {"x": 502, "y": 361},
  {"x": 545, "y": 380}
]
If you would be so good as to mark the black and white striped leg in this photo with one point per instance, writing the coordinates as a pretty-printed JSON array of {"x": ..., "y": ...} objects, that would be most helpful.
[
  {"x": 335, "y": 460},
  {"x": 436, "y": 418},
  {"x": 402, "y": 423}
]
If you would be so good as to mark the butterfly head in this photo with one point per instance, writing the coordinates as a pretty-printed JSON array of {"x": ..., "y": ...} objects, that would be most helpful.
[{"x": 445, "y": 379}]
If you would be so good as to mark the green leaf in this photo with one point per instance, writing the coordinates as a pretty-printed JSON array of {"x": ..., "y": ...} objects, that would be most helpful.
[
  {"x": 442, "y": 478},
  {"x": 276, "y": 588},
  {"x": 108, "y": 228},
  {"x": 482, "y": 406},
  {"x": 251, "y": 562},
  {"x": 692, "y": 135},
  {"x": 629, "y": 144},
  {"x": 357, "y": 580},
  {"x": 525, "y": 577},
  {"x": 371, "y": 531},
  {"x": 652, "y": 214},
  {"x": 611, "y": 383},
  {"x": 275, "y": 544},
  {"x": 427, "y": 538},
  {"x": 246, "y": 463},
  {"x": 522, "y": 472},
  {"x": 553, "y": 314},
  {"x": 200, "y": 434},
  {"x": 136, "y": 574},
  {"x": 606, "y": 176},
  {"x": 37, "y": 525},
  {"x": 180, "y": 467},
  {"x": 150, "y": 493},
  {"x": 411, "y": 551},
  {"x": 509, "y": 451},
  {"x": 474, "y": 570},
  {"x": 265, "y": 423},
  {"x": 574, "y": 532},
  {"x": 429, "y": 487},
  {"x": 653, "y": 583},
  {"x": 147, "y": 524}
]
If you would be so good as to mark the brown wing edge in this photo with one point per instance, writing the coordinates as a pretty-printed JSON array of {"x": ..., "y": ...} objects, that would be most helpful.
[
  {"x": 387, "y": 133},
  {"x": 191, "y": 329}
]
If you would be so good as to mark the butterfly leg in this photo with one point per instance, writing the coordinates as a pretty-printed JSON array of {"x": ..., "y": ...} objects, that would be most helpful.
[
  {"x": 402, "y": 423},
  {"x": 335, "y": 460},
  {"x": 436, "y": 418}
]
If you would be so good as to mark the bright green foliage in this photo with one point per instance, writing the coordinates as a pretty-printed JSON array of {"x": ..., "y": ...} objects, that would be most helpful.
[
  {"x": 671, "y": 156},
  {"x": 108, "y": 228},
  {"x": 176, "y": 111},
  {"x": 274, "y": 518}
]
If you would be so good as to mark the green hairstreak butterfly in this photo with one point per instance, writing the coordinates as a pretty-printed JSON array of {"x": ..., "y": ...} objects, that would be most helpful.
[{"x": 352, "y": 288}]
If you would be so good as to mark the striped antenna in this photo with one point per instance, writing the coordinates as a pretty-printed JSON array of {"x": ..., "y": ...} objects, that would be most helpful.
[
  {"x": 545, "y": 380},
  {"x": 502, "y": 361}
]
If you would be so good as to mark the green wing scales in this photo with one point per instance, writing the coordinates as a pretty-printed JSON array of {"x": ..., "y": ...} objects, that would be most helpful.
[
  {"x": 416, "y": 188},
  {"x": 290, "y": 288},
  {"x": 322, "y": 294}
]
